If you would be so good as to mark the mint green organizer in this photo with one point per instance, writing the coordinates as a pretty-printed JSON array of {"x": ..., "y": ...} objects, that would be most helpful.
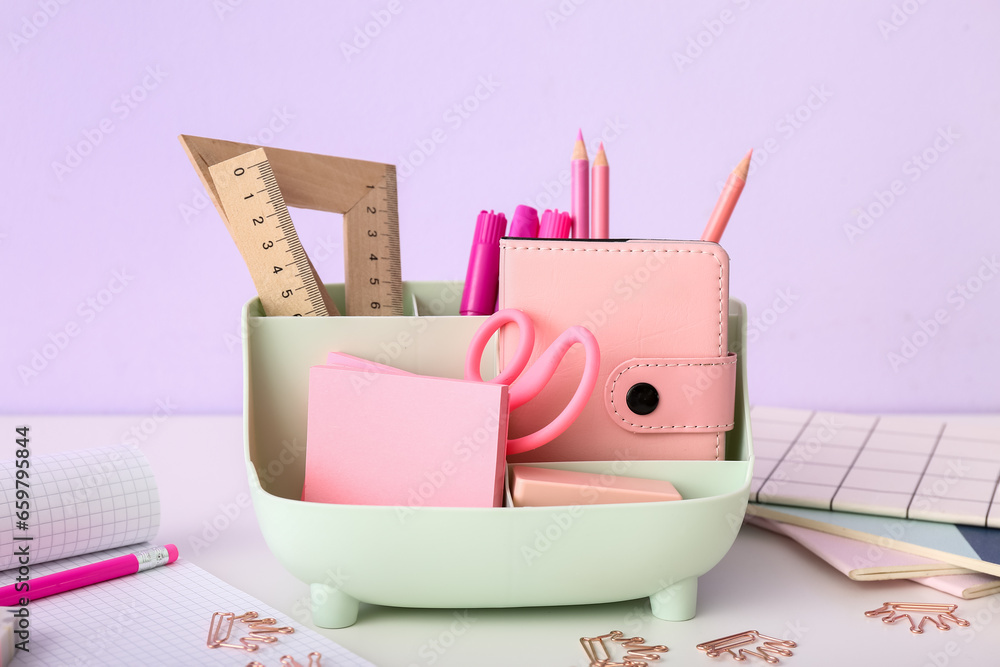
[{"x": 470, "y": 557}]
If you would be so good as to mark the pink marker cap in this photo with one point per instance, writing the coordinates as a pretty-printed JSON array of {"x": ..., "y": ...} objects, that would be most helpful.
[
  {"x": 524, "y": 224},
  {"x": 481, "y": 279},
  {"x": 555, "y": 225}
]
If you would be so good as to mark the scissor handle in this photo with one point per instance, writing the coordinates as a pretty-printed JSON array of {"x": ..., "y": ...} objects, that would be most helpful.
[
  {"x": 525, "y": 343},
  {"x": 535, "y": 379}
]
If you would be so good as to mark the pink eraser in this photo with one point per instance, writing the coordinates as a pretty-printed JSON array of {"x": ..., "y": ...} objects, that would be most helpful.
[
  {"x": 544, "y": 487},
  {"x": 171, "y": 553},
  {"x": 404, "y": 440}
]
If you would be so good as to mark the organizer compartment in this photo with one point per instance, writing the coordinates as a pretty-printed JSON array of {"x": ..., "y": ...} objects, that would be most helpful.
[{"x": 470, "y": 557}]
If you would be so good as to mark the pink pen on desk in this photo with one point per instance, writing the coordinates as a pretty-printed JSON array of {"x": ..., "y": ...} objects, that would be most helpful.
[
  {"x": 85, "y": 575},
  {"x": 479, "y": 297},
  {"x": 580, "y": 189},
  {"x": 555, "y": 225}
]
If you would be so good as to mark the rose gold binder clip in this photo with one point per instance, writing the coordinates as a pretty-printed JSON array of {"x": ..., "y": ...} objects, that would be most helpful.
[
  {"x": 637, "y": 654},
  {"x": 768, "y": 646},
  {"x": 289, "y": 661},
  {"x": 220, "y": 629},
  {"x": 262, "y": 630},
  {"x": 894, "y": 611}
]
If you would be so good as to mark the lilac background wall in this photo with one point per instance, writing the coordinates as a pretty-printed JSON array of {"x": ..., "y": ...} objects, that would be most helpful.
[{"x": 838, "y": 99}]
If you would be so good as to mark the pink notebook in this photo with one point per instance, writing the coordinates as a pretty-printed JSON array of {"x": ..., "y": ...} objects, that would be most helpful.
[
  {"x": 659, "y": 310},
  {"x": 862, "y": 561},
  {"x": 406, "y": 440}
]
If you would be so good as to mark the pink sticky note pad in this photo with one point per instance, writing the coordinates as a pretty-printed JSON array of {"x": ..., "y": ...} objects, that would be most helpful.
[
  {"x": 405, "y": 440},
  {"x": 544, "y": 487}
]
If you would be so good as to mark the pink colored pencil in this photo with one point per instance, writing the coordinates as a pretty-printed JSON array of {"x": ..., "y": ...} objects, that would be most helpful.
[
  {"x": 580, "y": 189},
  {"x": 727, "y": 201},
  {"x": 600, "y": 191},
  {"x": 85, "y": 575}
]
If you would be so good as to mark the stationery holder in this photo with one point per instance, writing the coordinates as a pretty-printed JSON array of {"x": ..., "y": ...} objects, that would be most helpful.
[{"x": 440, "y": 557}]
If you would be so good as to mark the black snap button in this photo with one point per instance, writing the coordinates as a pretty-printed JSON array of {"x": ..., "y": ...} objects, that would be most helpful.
[{"x": 642, "y": 398}]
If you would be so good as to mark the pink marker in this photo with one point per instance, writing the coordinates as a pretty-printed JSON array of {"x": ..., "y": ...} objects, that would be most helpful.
[
  {"x": 85, "y": 575},
  {"x": 555, "y": 225},
  {"x": 580, "y": 189},
  {"x": 524, "y": 224},
  {"x": 483, "y": 275}
]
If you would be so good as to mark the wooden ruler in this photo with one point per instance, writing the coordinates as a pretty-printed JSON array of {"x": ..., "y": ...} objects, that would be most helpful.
[
  {"x": 364, "y": 192},
  {"x": 263, "y": 231},
  {"x": 371, "y": 251}
]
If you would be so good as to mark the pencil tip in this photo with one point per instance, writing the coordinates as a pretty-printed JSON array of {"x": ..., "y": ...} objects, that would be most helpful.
[
  {"x": 743, "y": 168},
  {"x": 601, "y": 160},
  {"x": 579, "y": 134}
]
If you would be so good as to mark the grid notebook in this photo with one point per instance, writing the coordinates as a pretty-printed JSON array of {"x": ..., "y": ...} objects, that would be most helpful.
[
  {"x": 88, "y": 506},
  {"x": 81, "y": 501},
  {"x": 934, "y": 468},
  {"x": 157, "y": 617}
]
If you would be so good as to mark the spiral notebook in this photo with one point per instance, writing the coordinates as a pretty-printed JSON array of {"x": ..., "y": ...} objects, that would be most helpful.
[{"x": 91, "y": 505}]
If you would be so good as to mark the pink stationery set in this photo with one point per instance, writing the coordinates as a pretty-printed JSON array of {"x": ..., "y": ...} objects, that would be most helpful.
[{"x": 606, "y": 349}]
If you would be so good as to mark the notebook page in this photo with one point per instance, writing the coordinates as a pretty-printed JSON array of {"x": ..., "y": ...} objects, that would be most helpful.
[
  {"x": 80, "y": 502},
  {"x": 157, "y": 617},
  {"x": 943, "y": 468}
]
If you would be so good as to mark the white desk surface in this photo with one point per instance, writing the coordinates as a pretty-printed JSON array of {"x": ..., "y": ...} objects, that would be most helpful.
[{"x": 765, "y": 583}]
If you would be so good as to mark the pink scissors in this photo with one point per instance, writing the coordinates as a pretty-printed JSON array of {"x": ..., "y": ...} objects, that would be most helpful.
[{"x": 534, "y": 380}]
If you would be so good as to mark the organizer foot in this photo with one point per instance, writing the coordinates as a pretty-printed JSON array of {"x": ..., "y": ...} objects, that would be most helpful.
[
  {"x": 331, "y": 607},
  {"x": 676, "y": 602}
]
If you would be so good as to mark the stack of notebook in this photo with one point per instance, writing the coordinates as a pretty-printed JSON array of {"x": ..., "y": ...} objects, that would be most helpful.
[{"x": 884, "y": 497}]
